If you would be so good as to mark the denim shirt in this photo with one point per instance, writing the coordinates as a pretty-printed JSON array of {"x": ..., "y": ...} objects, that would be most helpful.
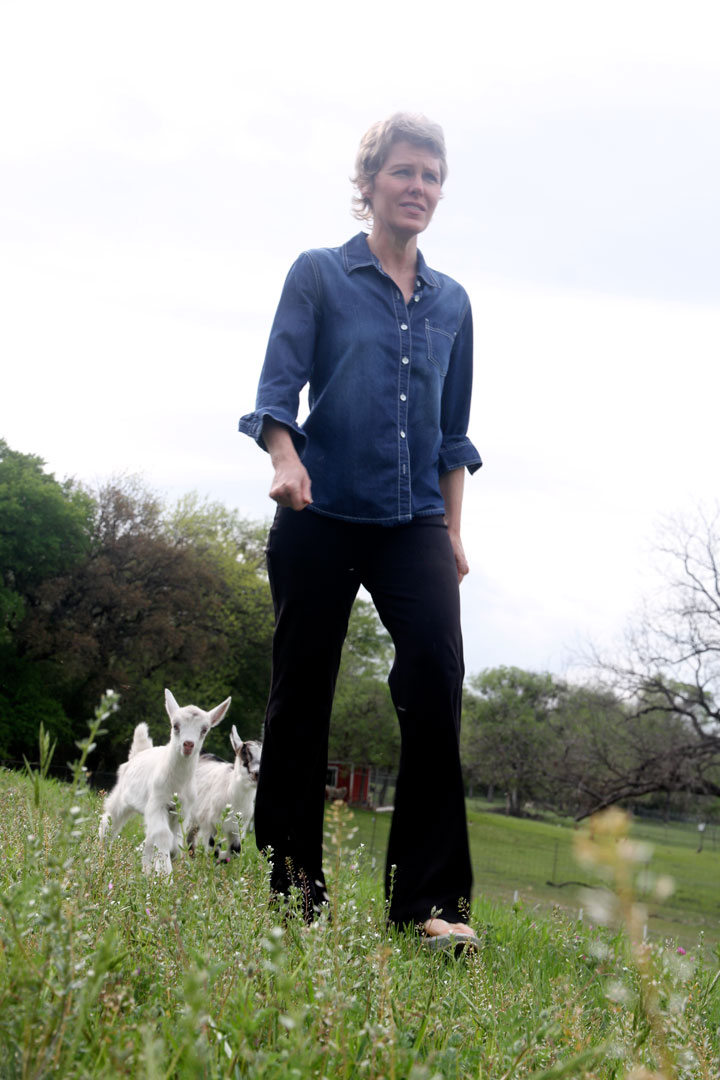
[{"x": 389, "y": 383}]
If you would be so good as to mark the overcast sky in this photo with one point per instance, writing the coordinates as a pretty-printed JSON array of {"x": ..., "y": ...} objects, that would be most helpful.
[{"x": 162, "y": 164}]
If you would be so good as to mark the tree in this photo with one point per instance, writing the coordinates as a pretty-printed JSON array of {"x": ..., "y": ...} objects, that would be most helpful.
[
  {"x": 668, "y": 674},
  {"x": 608, "y": 752},
  {"x": 27, "y": 696},
  {"x": 506, "y": 736},
  {"x": 44, "y": 530},
  {"x": 235, "y": 547},
  {"x": 160, "y": 599}
]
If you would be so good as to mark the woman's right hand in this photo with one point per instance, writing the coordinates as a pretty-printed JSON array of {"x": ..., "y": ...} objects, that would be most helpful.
[{"x": 291, "y": 483}]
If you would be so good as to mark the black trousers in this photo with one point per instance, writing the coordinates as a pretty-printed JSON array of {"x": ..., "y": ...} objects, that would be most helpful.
[{"x": 316, "y": 565}]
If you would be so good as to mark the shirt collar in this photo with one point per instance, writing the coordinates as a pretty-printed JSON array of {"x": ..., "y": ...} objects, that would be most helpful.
[{"x": 356, "y": 253}]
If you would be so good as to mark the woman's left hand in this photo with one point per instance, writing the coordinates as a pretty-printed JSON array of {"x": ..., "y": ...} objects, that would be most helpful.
[
  {"x": 451, "y": 488},
  {"x": 459, "y": 553}
]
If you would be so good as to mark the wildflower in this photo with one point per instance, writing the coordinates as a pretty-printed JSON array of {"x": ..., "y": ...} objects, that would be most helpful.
[
  {"x": 664, "y": 887},
  {"x": 681, "y": 951}
]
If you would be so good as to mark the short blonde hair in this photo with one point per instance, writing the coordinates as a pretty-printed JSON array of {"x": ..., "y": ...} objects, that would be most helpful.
[{"x": 375, "y": 147}]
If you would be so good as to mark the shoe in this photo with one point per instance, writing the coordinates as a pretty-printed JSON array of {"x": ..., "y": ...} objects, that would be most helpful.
[{"x": 455, "y": 943}]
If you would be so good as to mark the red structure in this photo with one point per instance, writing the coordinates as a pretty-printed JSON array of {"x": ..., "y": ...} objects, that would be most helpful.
[{"x": 354, "y": 778}]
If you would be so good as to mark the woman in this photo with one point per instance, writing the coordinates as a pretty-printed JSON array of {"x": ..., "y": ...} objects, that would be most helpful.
[{"x": 369, "y": 491}]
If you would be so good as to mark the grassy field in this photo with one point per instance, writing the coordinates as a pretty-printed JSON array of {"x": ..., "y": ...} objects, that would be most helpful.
[
  {"x": 532, "y": 863},
  {"x": 104, "y": 973}
]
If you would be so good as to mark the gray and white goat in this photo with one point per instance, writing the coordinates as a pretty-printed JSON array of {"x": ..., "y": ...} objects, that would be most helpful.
[
  {"x": 154, "y": 777},
  {"x": 226, "y": 795}
]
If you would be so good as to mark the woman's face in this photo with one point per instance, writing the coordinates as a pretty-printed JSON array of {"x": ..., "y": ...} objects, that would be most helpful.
[{"x": 406, "y": 190}]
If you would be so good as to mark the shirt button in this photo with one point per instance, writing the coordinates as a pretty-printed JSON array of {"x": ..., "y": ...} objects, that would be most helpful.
[
  {"x": 402, "y": 434},
  {"x": 403, "y": 326},
  {"x": 416, "y": 298},
  {"x": 405, "y": 360},
  {"x": 403, "y": 397},
  {"x": 417, "y": 283}
]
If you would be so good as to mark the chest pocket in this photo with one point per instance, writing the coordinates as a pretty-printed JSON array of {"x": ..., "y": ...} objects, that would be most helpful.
[{"x": 439, "y": 343}]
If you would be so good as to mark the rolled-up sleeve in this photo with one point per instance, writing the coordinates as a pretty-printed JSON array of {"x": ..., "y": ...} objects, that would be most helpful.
[
  {"x": 456, "y": 449},
  {"x": 289, "y": 357}
]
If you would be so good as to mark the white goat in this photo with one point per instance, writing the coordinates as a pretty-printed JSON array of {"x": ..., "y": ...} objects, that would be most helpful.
[
  {"x": 149, "y": 782},
  {"x": 226, "y": 793}
]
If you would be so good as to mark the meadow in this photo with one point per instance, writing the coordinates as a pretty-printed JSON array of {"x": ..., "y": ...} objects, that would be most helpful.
[
  {"x": 106, "y": 973},
  {"x": 532, "y": 862}
]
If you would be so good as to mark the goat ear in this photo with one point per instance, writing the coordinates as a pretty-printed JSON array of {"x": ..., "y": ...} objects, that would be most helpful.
[
  {"x": 171, "y": 705},
  {"x": 235, "y": 740},
  {"x": 215, "y": 715}
]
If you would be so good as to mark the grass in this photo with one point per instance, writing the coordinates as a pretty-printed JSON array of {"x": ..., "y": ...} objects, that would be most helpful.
[
  {"x": 105, "y": 973},
  {"x": 534, "y": 859}
]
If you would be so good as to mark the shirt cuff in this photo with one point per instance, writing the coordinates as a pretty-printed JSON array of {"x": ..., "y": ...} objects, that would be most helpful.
[
  {"x": 252, "y": 424},
  {"x": 457, "y": 452}
]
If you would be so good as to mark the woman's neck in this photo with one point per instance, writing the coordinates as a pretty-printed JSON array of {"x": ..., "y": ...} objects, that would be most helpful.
[
  {"x": 398, "y": 258},
  {"x": 394, "y": 252}
]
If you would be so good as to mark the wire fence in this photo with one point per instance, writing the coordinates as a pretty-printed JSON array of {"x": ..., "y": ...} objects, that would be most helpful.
[{"x": 532, "y": 865}]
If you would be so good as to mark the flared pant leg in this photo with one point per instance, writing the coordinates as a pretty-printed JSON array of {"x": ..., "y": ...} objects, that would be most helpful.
[
  {"x": 413, "y": 582},
  {"x": 313, "y": 586}
]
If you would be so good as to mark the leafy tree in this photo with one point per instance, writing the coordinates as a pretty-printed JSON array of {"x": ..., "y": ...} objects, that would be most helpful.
[
  {"x": 608, "y": 751},
  {"x": 591, "y": 745},
  {"x": 26, "y": 698},
  {"x": 235, "y": 547},
  {"x": 43, "y": 531},
  {"x": 159, "y": 599},
  {"x": 505, "y": 739},
  {"x": 211, "y": 528}
]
